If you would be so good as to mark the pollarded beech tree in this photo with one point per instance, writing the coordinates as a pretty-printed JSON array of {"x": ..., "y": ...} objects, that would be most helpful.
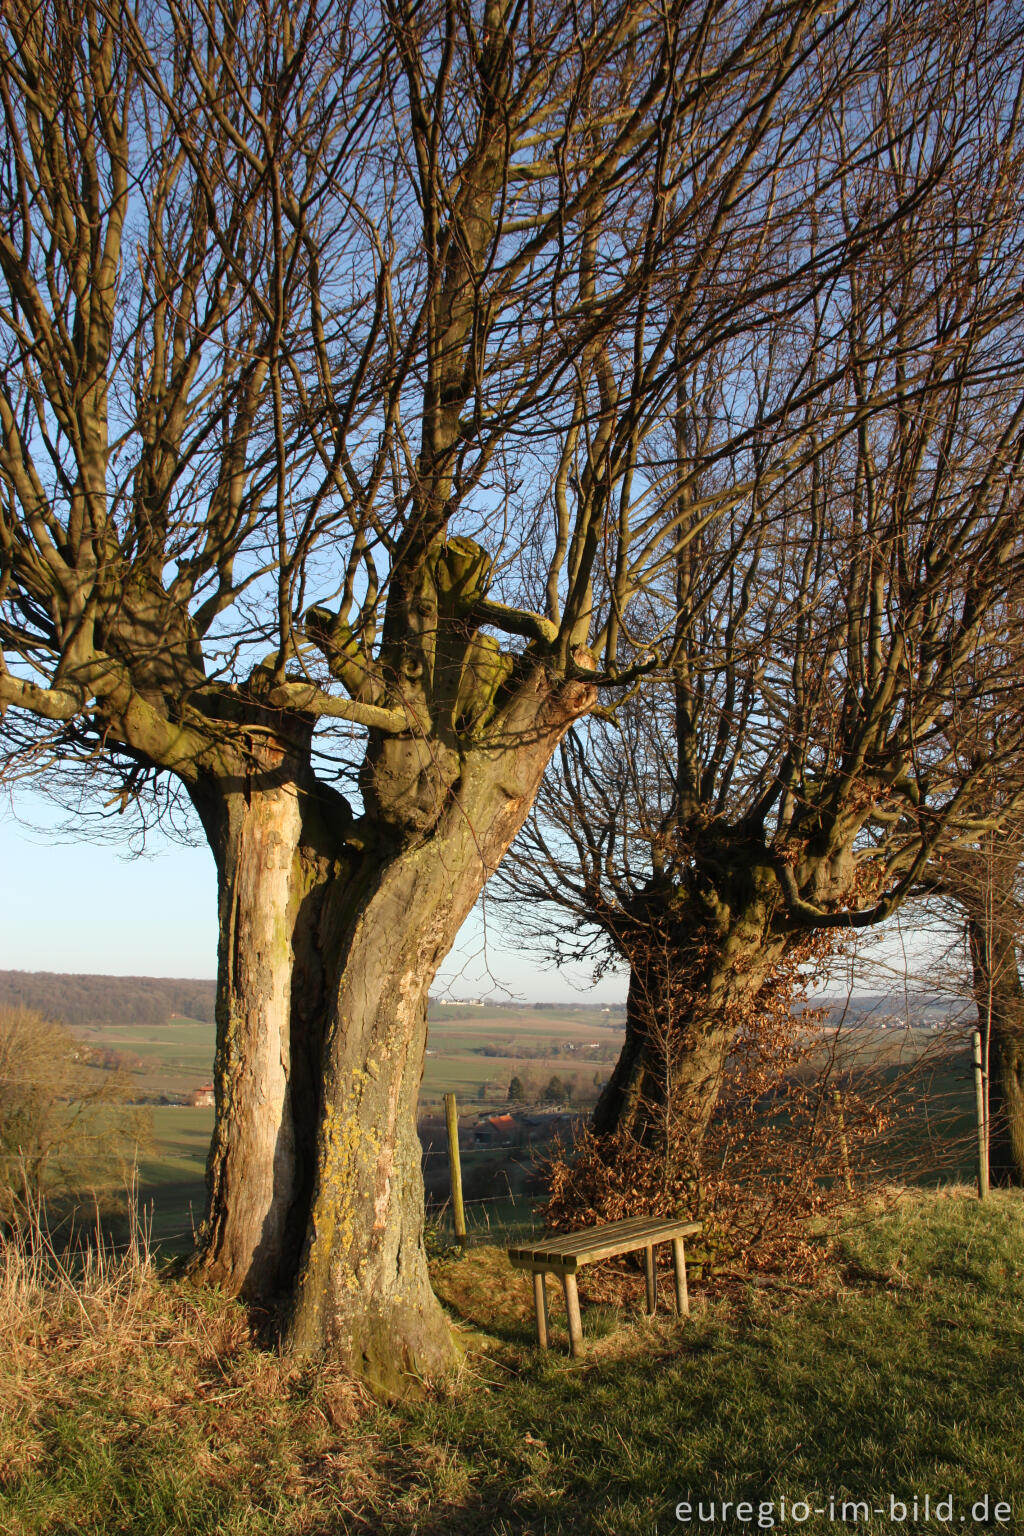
[
  {"x": 973, "y": 887},
  {"x": 844, "y": 693},
  {"x": 332, "y": 338}
]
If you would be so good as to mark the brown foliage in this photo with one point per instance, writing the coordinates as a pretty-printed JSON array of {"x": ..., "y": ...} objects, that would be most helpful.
[
  {"x": 775, "y": 1158},
  {"x": 66, "y": 1126}
]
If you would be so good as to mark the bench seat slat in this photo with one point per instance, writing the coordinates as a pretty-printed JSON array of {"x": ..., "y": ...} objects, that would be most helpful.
[
  {"x": 569, "y": 1250},
  {"x": 636, "y": 1227},
  {"x": 658, "y": 1228}
]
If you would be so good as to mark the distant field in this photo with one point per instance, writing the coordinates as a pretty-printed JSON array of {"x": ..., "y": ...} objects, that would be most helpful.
[
  {"x": 924, "y": 1076},
  {"x": 937, "y": 1142},
  {"x": 551, "y": 1018},
  {"x": 456, "y": 1033},
  {"x": 177, "y": 1057}
]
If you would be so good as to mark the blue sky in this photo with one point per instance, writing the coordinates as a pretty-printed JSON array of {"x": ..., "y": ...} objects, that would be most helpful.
[
  {"x": 68, "y": 904},
  {"x": 71, "y": 905}
]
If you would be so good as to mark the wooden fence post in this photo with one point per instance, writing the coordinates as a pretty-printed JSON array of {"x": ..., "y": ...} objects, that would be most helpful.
[
  {"x": 451, "y": 1116},
  {"x": 982, "y": 1117}
]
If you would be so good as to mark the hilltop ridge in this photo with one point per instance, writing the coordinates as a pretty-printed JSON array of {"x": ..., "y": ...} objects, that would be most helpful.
[{"x": 74, "y": 999}]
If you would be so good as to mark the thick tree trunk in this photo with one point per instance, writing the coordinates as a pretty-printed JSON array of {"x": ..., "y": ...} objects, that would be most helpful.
[
  {"x": 364, "y": 1291},
  {"x": 277, "y": 877},
  {"x": 1000, "y": 1000},
  {"x": 693, "y": 985}
]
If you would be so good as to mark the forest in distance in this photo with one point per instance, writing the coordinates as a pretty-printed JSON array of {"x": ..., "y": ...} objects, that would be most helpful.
[
  {"x": 84, "y": 999},
  {"x": 76, "y": 999}
]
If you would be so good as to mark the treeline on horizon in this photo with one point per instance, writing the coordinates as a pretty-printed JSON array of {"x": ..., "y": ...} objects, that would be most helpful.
[{"x": 75, "y": 1000}]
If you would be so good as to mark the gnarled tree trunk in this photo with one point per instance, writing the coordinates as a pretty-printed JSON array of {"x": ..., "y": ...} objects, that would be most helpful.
[
  {"x": 363, "y": 1291},
  {"x": 1000, "y": 1001},
  {"x": 697, "y": 966}
]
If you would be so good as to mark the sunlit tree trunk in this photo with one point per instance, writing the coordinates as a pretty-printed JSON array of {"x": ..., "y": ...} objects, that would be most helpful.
[
  {"x": 1000, "y": 1001},
  {"x": 278, "y": 844},
  {"x": 363, "y": 1291}
]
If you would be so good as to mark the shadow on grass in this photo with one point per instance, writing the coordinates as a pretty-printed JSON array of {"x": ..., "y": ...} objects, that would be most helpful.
[
  {"x": 899, "y": 1376},
  {"x": 908, "y": 1382}
]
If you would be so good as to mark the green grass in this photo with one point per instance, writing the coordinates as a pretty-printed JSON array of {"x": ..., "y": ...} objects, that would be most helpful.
[
  {"x": 178, "y": 1056},
  {"x": 898, "y": 1374},
  {"x": 172, "y": 1181}
]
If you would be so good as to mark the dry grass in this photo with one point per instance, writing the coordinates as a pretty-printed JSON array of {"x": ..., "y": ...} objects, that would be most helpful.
[
  {"x": 135, "y": 1404},
  {"x": 106, "y": 1366}
]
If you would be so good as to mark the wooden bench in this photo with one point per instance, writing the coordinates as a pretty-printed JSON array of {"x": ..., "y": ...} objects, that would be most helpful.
[{"x": 565, "y": 1255}]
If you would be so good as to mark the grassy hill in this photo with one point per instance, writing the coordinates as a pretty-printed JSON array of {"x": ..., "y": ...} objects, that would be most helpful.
[{"x": 132, "y": 1405}]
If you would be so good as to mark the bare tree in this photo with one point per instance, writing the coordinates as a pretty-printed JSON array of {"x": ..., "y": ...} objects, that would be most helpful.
[
  {"x": 336, "y": 343},
  {"x": 839, "y": 647},
  {"x": 68, "y": 1129}
]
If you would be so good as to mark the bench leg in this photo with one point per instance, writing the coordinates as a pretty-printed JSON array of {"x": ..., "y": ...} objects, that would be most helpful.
[
  {"x": 652, "y": 1280},
  {"x": 679, "y": 1265},
  {"x": 540, "y": 1302},
  {"x": 572, "y": 1312}
]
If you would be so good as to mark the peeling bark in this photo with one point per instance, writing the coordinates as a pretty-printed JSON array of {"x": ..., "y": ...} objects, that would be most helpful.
[
  {"x": 363, "y": 1291},
  {"x": 330, "y": 936},
  {"x": 1000, "y": 1000},
  {"x": 276, "y": 876}
]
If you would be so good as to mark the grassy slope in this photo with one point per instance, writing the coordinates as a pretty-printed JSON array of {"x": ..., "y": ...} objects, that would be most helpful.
[
  {"x": 146, "y": 1410},
  {"x": 172, "y": 1179},
  {"x": 176, "y": 1057}
]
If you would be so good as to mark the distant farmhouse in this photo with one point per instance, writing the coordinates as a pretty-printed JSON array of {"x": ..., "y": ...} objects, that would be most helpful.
[{"x": 495, "y": 1131}]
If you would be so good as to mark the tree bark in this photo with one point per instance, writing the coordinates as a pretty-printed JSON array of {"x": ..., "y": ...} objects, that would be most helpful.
[
  {"x": 697, "y": 967},
  {"x": 1000, "y": 1001},
  {"x": 363, "y": 1291},
  {"x": 279, "y": 866}
]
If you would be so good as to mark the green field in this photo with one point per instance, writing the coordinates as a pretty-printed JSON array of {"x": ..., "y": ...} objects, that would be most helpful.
[
  {"x": 177, "y": 1057},
  {"x": 172, "y": 1178},
  {"x": 457, "y": 1032},
  {"x": 934, "y": 1143}
]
